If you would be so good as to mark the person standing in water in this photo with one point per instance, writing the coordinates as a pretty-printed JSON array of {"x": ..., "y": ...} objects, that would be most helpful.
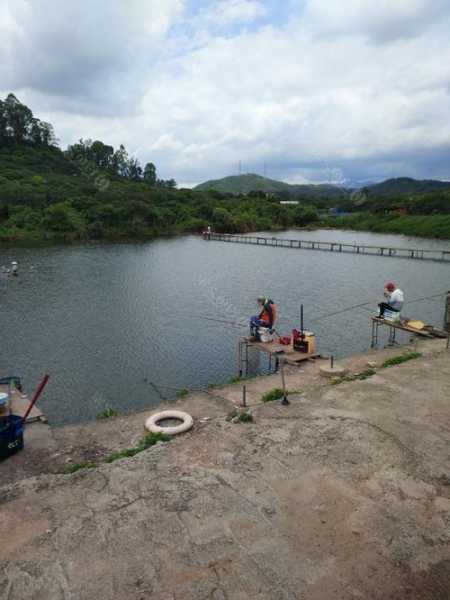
[{"x": 14, "y": 268}]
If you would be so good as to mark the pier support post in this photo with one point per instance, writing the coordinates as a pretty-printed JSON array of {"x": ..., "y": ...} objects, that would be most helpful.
[
  {"x": 447, "y": 313},
  {"x": 374, "y": 342},
  {"x": 392, "y": 332}
]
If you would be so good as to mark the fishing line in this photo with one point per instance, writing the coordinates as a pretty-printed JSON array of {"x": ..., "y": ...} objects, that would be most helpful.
[{"x": 363, "y": 306}]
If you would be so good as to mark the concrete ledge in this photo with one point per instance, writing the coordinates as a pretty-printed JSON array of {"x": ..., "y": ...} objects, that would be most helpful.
[{"x": 336, "y": 371}]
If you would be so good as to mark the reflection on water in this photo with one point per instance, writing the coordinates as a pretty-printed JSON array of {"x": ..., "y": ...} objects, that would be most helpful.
[{"x": 105, "y": 320}]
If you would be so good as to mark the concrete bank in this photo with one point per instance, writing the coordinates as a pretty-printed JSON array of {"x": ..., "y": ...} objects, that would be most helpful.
[{"x": 343, "y": 494}]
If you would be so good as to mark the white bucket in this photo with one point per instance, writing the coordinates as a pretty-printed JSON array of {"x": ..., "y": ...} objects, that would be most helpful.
[
  {"x": 391, "y": 315},
  {"x": 265, "y": 335}
]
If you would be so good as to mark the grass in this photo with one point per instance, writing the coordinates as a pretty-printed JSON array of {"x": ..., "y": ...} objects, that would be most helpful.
[
  {"x": 401, "y": 358},
  {"x": 236, "y": 379},
  {"x": 390, "y": 362},
  {"x": 274, "y": 394},
  {"x": 183, "y": 393},
  {"x": 356, "y": 377},
  {"x": 365, "y": 374},
  {"x": 240, "y": 416},
  {"x": 108, "y": 413},
  {"x": 245, "y": 417},
  {"x": 78, "y": 466},
  {"x": 150, "y": 439}
]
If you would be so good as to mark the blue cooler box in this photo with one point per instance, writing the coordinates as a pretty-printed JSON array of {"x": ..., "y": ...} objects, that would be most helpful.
[{"x": 11, "y": 436}]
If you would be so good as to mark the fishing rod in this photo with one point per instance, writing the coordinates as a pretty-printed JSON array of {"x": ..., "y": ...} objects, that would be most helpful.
[
  {"x": 233, "y": 323},
  {"x": 363, "y": 305},
  {"x": 338, "y": 312},
  {"x": 366, "y": 304}
]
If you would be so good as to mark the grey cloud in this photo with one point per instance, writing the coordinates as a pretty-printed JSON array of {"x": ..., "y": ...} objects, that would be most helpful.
[
  {"x": 309, "y": 106},
  {"x": 380, "y": 22},
  {"x": 85, "y": 52}
]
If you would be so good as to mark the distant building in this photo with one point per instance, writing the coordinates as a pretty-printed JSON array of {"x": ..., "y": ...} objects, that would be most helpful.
[{"x": 289, "y": 202}]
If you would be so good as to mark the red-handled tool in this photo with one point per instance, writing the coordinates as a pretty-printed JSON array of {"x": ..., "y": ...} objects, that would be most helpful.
[{"x": 37, "y": 393}]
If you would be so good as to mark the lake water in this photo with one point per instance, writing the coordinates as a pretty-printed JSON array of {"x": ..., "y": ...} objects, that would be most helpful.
[{"x": 105, "y": 320}]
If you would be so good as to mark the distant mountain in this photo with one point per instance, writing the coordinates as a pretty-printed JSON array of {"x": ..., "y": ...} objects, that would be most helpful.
[
  {"x": 405, "y": 185},
  {"x": 244, "y": 184}
]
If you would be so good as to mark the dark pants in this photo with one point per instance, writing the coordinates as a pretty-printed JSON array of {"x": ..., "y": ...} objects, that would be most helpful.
[
  {"x": 385, "y": 306},
  {"x": 255, "y": 324}
]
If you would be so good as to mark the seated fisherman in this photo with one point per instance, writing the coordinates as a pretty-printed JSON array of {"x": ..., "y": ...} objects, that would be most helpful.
[
  {"x": 394, "y": 299},
  {"x": 266, "y": 317}
]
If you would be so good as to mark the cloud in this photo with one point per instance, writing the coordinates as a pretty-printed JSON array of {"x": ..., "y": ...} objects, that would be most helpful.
[
  {"x": 227, "y": 12},
  {"x": 381, "y": 21},
  {"x": 339, "y": 90},
  {"x": 84, "y": 51}
]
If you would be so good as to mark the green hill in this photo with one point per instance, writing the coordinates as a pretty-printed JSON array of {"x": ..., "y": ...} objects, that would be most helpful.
[
  {"x": 250, "y": 182},
  {"x": 401, "y": 186},
  {"x": 245, "y": 184}
]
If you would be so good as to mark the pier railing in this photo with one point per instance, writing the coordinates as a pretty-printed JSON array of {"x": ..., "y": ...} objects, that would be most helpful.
[{"x": 389, "y": 251}]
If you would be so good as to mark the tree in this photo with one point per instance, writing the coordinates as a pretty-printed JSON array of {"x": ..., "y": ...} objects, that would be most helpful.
[
  {"x": 102, "y": 154},
  {"x": 18, "y": 119},
  {"x": 134, "y": 170},
  {"x": 120, "y": 161},
  {"x": 150, "y": 174},
  {"x": 304, "y": 215},
  {"x": 19, "y": 126},
  {"x": 166, "y": 183}
]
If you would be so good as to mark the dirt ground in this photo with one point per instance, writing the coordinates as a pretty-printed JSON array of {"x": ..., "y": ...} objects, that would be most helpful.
[{"x": 343, "y": 494}]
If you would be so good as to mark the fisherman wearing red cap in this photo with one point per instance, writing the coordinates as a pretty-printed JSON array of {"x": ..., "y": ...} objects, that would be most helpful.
[{"x": 394, "y": 299}]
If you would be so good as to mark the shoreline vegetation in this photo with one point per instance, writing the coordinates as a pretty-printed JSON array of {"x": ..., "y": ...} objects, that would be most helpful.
[{"x": 93, "y": 192}]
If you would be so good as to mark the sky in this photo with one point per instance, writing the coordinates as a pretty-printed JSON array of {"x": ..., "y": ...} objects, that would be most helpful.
[{"x": 302, "y": 90}]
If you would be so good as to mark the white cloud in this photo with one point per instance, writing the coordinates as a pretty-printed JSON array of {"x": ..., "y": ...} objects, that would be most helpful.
[
  {"x": 383, "y": 20},
  {"x": 227, "y": 12},
  {"x": 85, "y": 50},
  {"x": 314, "y": 99}
]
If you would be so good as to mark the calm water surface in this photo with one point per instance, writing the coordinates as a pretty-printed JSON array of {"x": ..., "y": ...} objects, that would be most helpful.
[{"x": 105, "y": 320}]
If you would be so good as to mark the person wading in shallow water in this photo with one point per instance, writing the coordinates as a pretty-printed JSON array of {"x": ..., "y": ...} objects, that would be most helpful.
[
  {"x": 266, "y": 317},
  {"x": 395, "y": 299}
]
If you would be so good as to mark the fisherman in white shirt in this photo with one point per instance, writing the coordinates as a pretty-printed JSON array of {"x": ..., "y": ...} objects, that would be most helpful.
[{"x": 395, "y": 299}]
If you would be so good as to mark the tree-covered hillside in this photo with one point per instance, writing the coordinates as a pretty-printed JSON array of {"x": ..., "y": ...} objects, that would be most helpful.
[
  {"x": 401, "y": 186},
  {"x": 46, "y": 196},
  {"x": 94, "y": 191},
  {"x": 250, "y": 182}
]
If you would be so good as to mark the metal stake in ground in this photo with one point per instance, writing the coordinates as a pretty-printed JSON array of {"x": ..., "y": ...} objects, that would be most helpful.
[
  {"x": 244, "y": 396},
  {"x": 285, "y": 400}
]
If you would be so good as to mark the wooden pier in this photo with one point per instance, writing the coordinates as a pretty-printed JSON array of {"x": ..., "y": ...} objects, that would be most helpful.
[
  {"x": 388, "y": 251},
  {"x": 428, "y": 331},
  {"x": 278, "y": 352}
]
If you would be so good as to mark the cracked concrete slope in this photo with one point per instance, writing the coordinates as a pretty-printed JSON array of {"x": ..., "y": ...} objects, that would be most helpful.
[{"x": 344, "y": 494}]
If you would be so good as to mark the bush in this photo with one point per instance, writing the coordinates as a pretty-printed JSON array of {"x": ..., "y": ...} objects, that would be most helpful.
[
  {"x": 274, "y": 394},
  {"x": 61, "y": 217}
]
